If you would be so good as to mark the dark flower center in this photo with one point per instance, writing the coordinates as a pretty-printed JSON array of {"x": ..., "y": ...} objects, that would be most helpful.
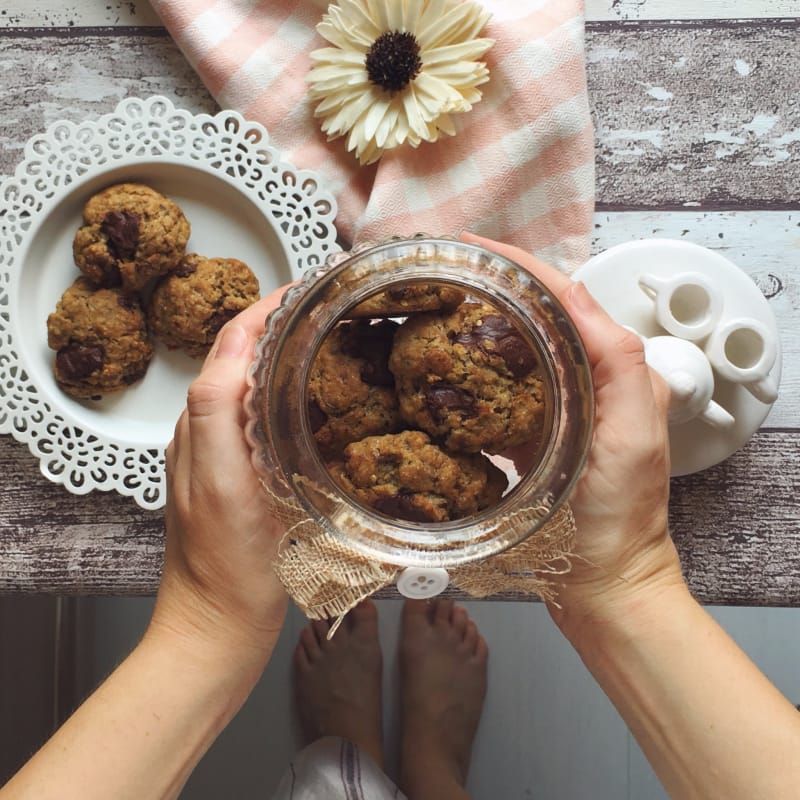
[{"x": 393, "y": 60}]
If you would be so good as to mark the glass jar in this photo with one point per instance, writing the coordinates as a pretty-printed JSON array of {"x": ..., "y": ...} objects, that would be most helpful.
[{"x": 280, "y": 431}]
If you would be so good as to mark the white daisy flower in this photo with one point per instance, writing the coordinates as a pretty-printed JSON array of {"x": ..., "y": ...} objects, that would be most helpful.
[{"x": 396, "y": 71}]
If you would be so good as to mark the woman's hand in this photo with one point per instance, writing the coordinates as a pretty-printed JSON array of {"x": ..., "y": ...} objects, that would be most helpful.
[
  {"x": 218, "y": 589},
  {"x": 623, "y": 547}
]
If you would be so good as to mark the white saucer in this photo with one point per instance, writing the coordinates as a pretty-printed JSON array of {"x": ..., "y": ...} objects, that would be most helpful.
[{"x": 612, "y": 278}]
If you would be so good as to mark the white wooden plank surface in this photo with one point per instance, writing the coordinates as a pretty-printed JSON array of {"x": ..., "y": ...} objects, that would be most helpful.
[
  {"x": 696, "y": 116},
  {"x": 114, "y": 547},
  {"x": 77, "y": 13},
  {"x": 765, "y": 244},
  {"x": 600, "y": 10},
  {"x": 50, "y": 13}
]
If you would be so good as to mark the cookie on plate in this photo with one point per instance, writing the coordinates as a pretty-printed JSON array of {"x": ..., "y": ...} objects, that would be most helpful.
[
  {"x": 131, "y": 234},
  {"x": 100, "y": 338},
  {"x": 189, "y": 306},
  {"x": 406, "y": 476},
  {"x": 399, "y": 301},
  {"x": 350, "y": 391},
  {"x": 469, "y": 379}
]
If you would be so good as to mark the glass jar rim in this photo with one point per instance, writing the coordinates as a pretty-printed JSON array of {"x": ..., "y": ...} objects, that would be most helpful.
[{"x": 311, "y": 309}]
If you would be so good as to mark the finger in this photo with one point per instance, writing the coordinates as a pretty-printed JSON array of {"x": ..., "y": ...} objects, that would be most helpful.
[
  {"x": 554, "y": 280},
  {"x": 321, "y": 628},
  {"x": 178, "y": 473},
  {"x": 661, "y": 392},
  {"x": 616, "y": 355},
  {"x": 623, "y": 381},
  {"x": 214, "y": 405},
  {"x": 253, "y": 318},
  {"x": 169, "y": 459},
  {"x": 481, "y": 649}
]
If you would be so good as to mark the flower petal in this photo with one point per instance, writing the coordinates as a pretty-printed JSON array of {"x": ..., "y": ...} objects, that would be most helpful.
[
  {"x": 416, "y": 122},
  {"x": 388, "y": 122},
  {"x": 379, "y": 12},
  {"x": 348, "y": 115},
  {"x": 375, "y": 116},
  {"x": 356, "y": 15},
  {"x": 345, "y": 38},
  {"x": 461, "y": 51},
  {"x": 340, "y": 82},
  {"x": 334, "y": 55},
  {"x": 461, "y": 21},
  {"x": 333, "y": 101},
  {"x": 435, "y": 95},
  {"x": 411, "y": 13}
]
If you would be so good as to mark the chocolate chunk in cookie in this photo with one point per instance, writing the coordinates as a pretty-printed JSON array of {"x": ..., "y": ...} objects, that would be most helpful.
[
  {"x": 100, "y": 338},
  {"x": 350, "y": 388},
  {"x": 468, "y": 378},
  {"x": 189, "y": 306},
  {"x": 131, "y": 235}
]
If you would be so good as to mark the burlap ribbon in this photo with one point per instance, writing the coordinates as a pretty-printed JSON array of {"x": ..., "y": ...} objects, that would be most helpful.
[{"x": 326, "y": 578}]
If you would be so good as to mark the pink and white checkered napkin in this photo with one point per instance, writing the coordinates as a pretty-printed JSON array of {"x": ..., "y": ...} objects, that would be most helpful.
[{"x": 520, "y": 168}]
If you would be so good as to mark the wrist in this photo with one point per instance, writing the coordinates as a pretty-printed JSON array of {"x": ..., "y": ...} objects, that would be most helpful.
[
  {"x": 202, "y": 633},
  {"x": 617, "y": 609}
]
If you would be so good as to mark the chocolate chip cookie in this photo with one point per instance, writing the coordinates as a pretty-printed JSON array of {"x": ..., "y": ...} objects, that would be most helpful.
[
  {"x": 350, "y": 391},
  {"x": 406, "y": 476},
  {"x": 409, "y": 299},
  {"x": 189, "y": 306},
  {"x": 131, "y": 234},
  {"x": 100, "y": 339},
  {"x": 469, "y": 379}
]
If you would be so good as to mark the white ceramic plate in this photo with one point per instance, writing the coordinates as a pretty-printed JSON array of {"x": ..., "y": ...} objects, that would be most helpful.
[
  {"x": 242, "y": 202},
  {"x": 612, "y": 278}
]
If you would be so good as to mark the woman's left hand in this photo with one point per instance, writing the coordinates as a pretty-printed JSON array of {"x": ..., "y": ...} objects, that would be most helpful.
[{"x": 218, "y": 587}]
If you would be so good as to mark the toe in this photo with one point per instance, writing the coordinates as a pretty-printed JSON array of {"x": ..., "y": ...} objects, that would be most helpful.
[
  {"x": 321, "y": 628},
  {"x": 481, "y": 650},
  {"x": 459, "y": 619},
  {"x": 363, "y": 619},
  {"x": 415, "y": 612},
  {"x": 442, "y": 611},
  {"x": 471, "y": 636},
  {"x": 309, "y": 643},
  {"x": 301, "y": 659}
]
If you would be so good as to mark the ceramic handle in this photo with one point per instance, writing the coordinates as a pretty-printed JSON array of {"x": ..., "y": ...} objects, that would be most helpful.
[
  {"x": 743, "y": 351},
  {"x": 687, "y": 305},
  {"x": 686, "y": 370}
]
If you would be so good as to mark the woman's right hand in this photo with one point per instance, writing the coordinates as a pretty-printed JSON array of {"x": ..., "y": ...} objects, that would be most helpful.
[{"x": 623, "y": 549}]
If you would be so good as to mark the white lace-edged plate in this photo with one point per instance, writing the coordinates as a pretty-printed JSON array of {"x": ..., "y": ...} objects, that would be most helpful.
[{"x": 242, "y": 201}]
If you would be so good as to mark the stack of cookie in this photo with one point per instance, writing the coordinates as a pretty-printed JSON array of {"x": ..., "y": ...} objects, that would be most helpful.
[
  {"x": 138, "y": 282},
  {"x": 407, "y": 404}
]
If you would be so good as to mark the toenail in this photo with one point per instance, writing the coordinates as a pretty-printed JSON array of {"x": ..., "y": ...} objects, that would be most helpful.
[{"x": 419, "y": 583}]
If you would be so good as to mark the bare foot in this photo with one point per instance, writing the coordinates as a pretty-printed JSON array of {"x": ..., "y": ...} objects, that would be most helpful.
[
  {"x": 442, "y": 685},
  {"x": 338, "y": 682}
]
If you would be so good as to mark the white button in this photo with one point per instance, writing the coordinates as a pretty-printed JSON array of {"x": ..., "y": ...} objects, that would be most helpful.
[{"x": 419, "y": 583}]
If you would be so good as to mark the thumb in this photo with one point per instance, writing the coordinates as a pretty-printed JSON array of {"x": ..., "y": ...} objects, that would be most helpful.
[{"x": 214, "y": 403}]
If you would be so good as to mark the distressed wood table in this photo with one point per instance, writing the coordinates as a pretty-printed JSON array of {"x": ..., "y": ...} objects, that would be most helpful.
[{"x": 697, "y": 114}]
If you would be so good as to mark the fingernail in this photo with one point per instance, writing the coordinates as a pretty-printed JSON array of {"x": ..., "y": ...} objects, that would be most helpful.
[
  {"x": 231, "y": 342},
  {"x": 581, "y": 299}
]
